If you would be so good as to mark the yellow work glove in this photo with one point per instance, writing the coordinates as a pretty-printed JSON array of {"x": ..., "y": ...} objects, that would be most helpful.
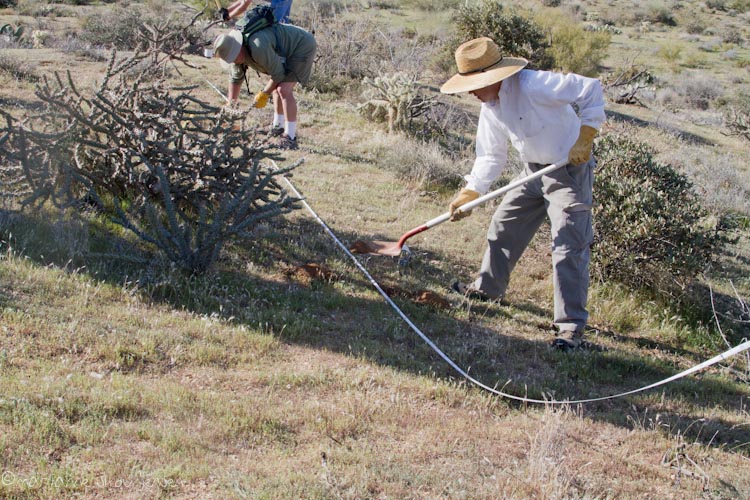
[
  {"x": 581, "y": 151},
  {"x": 463, "y": 197},
  {"x": 261, "y": 99}
]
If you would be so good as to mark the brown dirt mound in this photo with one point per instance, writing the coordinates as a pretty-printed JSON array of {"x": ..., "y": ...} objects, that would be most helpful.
[
  {"x": 359, "y": 246},
  {"x": 420, "y": 297},
  {"x": 431, "y": 298},
  {"x": 312, "y": 271}
]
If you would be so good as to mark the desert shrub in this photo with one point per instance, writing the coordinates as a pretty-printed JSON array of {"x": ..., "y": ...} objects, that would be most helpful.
[
  {"x": 629, "y": 85},
  {"x": 740, "y": 5},
  {"x": 118, "y": 29},
  {"x": 8, "y": 3},
  {"x": 551, "y": 3},
  {"x": 430, "y": 5},
  {"x": 661, "y": 14},
  {"x": 422, "y": 164},
  {"x": 699, "y": 90},
  {"x": 42, "y": 10},
  {"x": 737, "y": 116},
  {"x": 717, "y": 4},
  {"x": 574, "y": 49},
  {"x": 126, "y": 28},
  {"x": 182, "y": 175},
  {"x": 670, "y": 52},
  {"x": 732, "y": 35},
  {"x": 652, "y": 231},
  {"x": 17, "y": 69},
  {"x": 515, "y": 34},
  {"x": 695, "y": 27},
  {"x": 363, "y": 50}
]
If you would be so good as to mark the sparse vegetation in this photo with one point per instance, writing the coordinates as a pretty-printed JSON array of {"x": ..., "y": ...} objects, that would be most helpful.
[{"x": 280, "y": 372}]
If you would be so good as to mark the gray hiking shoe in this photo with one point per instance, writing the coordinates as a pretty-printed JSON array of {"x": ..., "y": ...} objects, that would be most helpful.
[
  {"x": 286, "y": 142},
  {"x": 568, "y": 340},
  {"x": 276, "y": 131}
]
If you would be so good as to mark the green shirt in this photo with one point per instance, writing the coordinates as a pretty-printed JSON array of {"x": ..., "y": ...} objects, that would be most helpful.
[{"x": 272, "y": 51}]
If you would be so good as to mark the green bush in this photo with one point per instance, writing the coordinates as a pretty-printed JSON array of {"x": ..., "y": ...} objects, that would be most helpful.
[
  {"x": 515, "y": 34},
  {"x": 740, "y": 5},
  {"x": 657, "y": 13},
  {"x": 574, "y": 49},
  {"x": 652, "y": 231}
]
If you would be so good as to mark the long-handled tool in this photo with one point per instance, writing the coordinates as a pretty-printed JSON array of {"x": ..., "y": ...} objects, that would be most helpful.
[{"x": 400, "y": 249}]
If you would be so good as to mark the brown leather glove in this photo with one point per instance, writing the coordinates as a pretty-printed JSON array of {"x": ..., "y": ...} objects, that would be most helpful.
[
  {"x": 581, "y": 151},
  {"x": 463, "y": 197}
]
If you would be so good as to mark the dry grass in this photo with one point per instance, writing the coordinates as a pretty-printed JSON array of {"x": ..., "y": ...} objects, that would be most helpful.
[{"x": 120, "y": 380}]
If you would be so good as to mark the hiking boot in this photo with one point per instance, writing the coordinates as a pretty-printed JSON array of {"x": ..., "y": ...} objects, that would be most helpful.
[
  {"x": 276, "y": 131},
  {"x": 470, "y": 293},
  {"x": 286, "y": 142},
  {"x": 568, "y": 340}
]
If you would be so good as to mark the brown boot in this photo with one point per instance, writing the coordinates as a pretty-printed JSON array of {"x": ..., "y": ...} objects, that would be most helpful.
[
  {"x": 470, "y": 293},
  {"x": 568, "y": 340}
]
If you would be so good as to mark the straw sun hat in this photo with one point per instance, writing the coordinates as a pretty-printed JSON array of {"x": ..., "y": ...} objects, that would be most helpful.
[
  {"x": 227, "y": 46},
  {"x": 480, "y": 64}
]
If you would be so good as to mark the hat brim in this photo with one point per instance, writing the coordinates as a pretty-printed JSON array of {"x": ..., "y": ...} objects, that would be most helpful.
[
  {"x": 235, "y": 39},
  {"x": 466, "y": 83}
]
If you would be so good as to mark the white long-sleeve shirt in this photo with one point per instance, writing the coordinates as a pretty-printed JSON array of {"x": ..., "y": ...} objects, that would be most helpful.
[{"x": 535, "y": 111}]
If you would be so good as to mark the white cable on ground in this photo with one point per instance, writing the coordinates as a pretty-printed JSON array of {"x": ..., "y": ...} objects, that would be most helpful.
[{"x": 725, "y": 355}]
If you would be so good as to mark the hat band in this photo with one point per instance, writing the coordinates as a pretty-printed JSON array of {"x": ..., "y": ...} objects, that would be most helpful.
[{"x": 481, "y": 70}]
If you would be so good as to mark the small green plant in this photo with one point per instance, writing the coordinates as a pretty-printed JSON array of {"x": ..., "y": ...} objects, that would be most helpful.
[
  {"x": 652, "y": 231},
  {"x": 670, "y": 53}
]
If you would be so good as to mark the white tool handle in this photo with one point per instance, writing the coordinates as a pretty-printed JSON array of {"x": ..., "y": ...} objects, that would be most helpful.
[{"x": 494, "y": 194}]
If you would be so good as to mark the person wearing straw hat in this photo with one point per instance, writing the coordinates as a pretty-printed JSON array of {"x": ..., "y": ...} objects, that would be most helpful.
[
  {"x": 282, "y": 51},
  {"x": 536, "y": 112}
]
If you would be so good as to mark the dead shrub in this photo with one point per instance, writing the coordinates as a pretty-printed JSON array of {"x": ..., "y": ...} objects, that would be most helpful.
[
  {"x": 364, "y": 49},
  {"x": 699, "y": 91},
  {"x": 17, "y": 69}
]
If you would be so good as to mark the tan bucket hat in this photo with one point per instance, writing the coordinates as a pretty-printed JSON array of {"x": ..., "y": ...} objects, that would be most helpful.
[
  {"x": 480, "y": 64},
  {"x": 227, "y": 46}
]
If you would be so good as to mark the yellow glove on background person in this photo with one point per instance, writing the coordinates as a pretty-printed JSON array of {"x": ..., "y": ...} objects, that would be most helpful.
[
  {"x": 463, "y": 197},
  {"x": 581, "y": 151},
  {"x": 261, "y": 99}
]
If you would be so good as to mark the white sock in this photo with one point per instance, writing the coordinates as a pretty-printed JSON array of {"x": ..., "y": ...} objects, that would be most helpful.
[
  {"x": 278, "y": 120},
  {"x": 291, "y": 129}
]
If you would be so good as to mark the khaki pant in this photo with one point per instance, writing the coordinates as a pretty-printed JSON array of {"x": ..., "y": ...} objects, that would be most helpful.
[{"x": 565, "y": 196}]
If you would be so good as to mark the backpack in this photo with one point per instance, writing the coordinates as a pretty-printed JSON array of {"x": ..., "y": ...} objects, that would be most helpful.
[{"x": 256, "y": 19}]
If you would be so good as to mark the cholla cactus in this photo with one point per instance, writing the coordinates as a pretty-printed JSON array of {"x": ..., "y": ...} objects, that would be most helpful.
[
  {"x": 39, "y": 38},
  {"x": 179, "y": 173},
  {"x": 394, "y": 98}
]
